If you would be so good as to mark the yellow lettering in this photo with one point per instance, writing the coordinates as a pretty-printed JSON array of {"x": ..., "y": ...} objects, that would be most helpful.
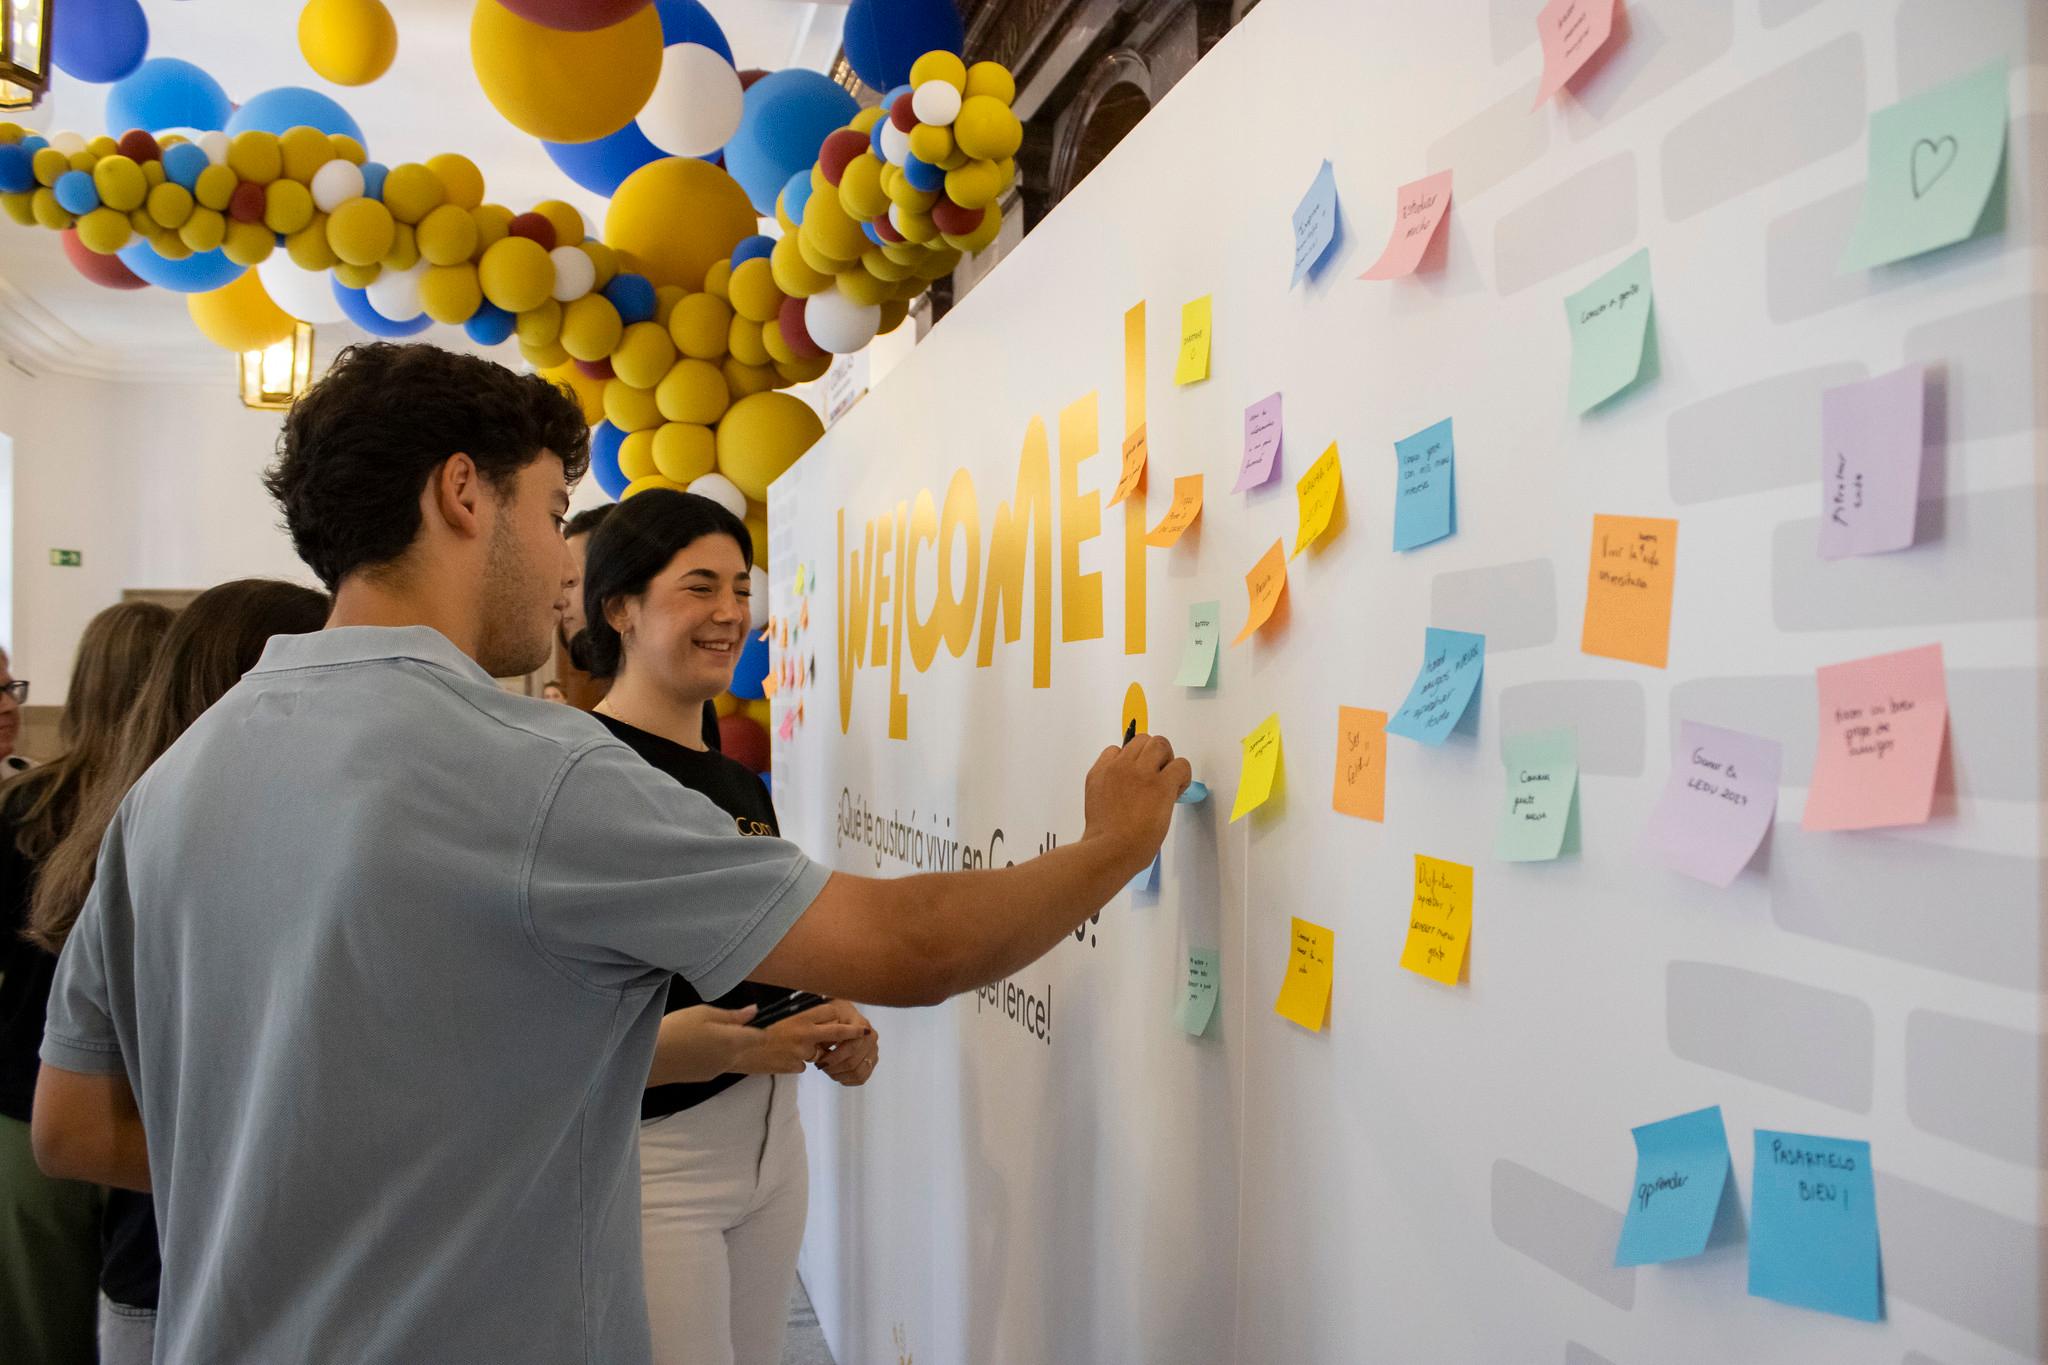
[
  {"x": 899, "y": 706},
  {"x": 881, "y": 540},
  {"x": 1134, "y": 505},
  {"x": 924, "y": 632},
  {"x": 955, "y": 610},
  {"x": 1080, "y": 520},
  {"x": 853, "y": 625},
  {"x": 1003, "y": 594}
]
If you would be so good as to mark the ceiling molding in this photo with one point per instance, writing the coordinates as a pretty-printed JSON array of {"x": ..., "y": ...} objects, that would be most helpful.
[{"x": 35, "y": 337}]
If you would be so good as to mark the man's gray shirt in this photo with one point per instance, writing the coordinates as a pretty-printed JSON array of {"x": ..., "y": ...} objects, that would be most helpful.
[{"x": 383, "y": 950}]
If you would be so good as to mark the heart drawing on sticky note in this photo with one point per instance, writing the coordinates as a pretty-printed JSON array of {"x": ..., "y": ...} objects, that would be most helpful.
[{"x": 1932, "y": 156}]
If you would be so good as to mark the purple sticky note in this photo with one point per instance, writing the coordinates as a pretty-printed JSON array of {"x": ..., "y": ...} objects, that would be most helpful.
[
  {"x": 1718, "y": 803},
  {"x": 1871, "y": 441},
  {"x": 1261, "y": 444}
]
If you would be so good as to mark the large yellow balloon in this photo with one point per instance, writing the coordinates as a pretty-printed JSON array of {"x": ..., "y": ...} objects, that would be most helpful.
[
  {"x": 762, "y": 435},
  {"x": 239, "y": 316},
  {"x": 565, "y": 86},
  {"x": 349, "y": 42},
  {"x": 589, "y": 390},
  {"x": 677, "y": 216}
]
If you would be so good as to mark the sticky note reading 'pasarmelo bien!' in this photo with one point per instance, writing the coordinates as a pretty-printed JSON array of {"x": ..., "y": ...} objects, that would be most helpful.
[
  {"x": 1628, "y": 589},
  {"x": 1813, "y": 1225},
  {"x": 1311, "y": 963}
]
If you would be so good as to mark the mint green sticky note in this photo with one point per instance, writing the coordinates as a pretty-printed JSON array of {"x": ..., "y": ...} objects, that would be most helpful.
[
  {"x": 1198, "y": 1002},
  {"x": 1198, "y": 657},
  {"x": 1541, "y": 806},
  {"x": 1934, "y": 163},
  {"x": 1610, "y": 324}
]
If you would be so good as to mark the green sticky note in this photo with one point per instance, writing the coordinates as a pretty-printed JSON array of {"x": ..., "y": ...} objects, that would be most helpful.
[
  {"x": 1198, "y": 658},
  {"x": 1198, "y": 1001},
  {"x": 1539, "y": 814},
  {"x": 1610, "y": 326},
  {"x": 1934, "y": 164}
]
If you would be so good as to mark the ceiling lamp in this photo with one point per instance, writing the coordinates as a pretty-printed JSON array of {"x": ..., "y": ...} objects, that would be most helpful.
[
  {"x": 280, "y": 372},
  {"x": 24, "y": 52}
]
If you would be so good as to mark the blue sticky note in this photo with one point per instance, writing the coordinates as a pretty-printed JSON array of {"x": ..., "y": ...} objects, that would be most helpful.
[
  {"x": 1813, "y": 1225},
  {"x": 1425, "y": 501},
  {"x": 1681, "y": 1170},
  {"x": 1315, "y": 224},
  {"x": 1148, "y": 880},
  {"x": 1452, "y": 661}
]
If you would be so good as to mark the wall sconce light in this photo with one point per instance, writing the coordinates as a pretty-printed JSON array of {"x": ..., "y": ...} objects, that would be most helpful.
[{"x": 280, "y": 372}]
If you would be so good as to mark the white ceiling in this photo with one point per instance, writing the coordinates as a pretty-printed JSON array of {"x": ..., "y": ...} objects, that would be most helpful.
[{"x": 428, "y": 102}]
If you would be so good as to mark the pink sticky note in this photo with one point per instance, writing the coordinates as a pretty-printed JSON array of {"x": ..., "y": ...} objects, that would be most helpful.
[
  {"x": 1882, "y": 721},
  {"x": 1718, "y": 802},
  {"x": 1419, "y": 210},
  {"x": 1572, "y": 31},
  {"x": 1871, "y": 441},
  {"x": 1262, "y": 432}
]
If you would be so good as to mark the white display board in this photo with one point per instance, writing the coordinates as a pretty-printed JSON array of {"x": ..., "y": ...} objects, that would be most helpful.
[{"x": 1053, "y": 1172}]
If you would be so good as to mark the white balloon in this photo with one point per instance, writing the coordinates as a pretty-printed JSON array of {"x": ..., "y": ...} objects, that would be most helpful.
[
  {"x": 757, "y": 605},
  {"x": 575, "y": 273},
  {"x": 335, "y": 183},
  {"x": 215, "y": 144},
  {"x": 935, "y": 102},
  {"x": 696, "y": 103},
  {"x": 895, "y": 143},
  {"x": 839, "y": 324},
  {"x": 395, "y": 294},
  {"x": 67, "y": 142},
  {"x": 725, "y": 493},
  {"x": 305, "y": 294}
]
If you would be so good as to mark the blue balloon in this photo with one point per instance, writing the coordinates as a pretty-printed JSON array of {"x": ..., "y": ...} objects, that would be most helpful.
[
  {"x": 872, "y": 235},
  {"x": 602, "y": 166},
  {"x": 633, "y": 296},
  {"x": 770, "y": 786},
  {"x": 165, "y": 92},
  {"x": 373, "y": 178},
  {"x": 76, "y": 193},
  {"x": 489, "y": 324},
  {"x": 99, "y": 40},
  {"x": 752, "y": 248},
  {"x": 17, "y": 169},
  {"x": 875, "y": 139},
  {"x": 183, "y": 162},
  {"x": 796, "y": 194},
  {"x": 605, "y": 440},
  {"x": 355, "y": 304},
  {"x": 752, "y": 669},
  {"x": 33, "y": 143},
  {"x": 208, "y": 270},
  {"x": 293, "y": 106},
  {"x": 686, "y": 21},
  {"x": 883, "y": 38},
  {"x": 922, "y": 175},
  {"x": 787, "y": 114}
]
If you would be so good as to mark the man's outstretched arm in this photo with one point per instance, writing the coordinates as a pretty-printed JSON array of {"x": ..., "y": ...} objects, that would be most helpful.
[{"x": 86, "y": 1127}]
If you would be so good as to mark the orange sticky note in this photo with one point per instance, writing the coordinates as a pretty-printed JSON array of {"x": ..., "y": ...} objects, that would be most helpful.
[
  {"x": 1572, "y": 31},
  {"x": 1628, "y": 589},
  {"x": 1133, "y": 477},
  {"x": 1361, "y": 788},
  {"x": 1316, "y": 494},
  {"x": 1439, "y": 920},
  {"x": 1186, "y": 508},
  {"x": 1259, "y": 769},
  {"x": 769, "y": 684},
  {"x": 1311, "y": 963},
  {"x": 1264, "y": 585},
  {"x": 1882, "y": 722}
]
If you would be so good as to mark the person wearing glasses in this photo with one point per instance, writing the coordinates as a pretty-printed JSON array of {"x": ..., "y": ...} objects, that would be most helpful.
[{"x": 13, "y": 696}]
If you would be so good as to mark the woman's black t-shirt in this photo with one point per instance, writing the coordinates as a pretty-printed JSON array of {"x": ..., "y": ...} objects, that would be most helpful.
[{"x": 739, "y": 793}]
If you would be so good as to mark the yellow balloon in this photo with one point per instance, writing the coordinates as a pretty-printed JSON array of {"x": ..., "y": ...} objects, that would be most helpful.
[
  {"x": 122, "y": 186},
  {"x": 349, "y": 42},
  {"x": 305, "y": 151},
  {"x": 628, "y": 408},
  {"x": 718, "y": 280},
  {"x": 986, "y": 128},
  {"x": 360, "y": 231},
  {"x": 677, "y": 216},
  {"x": 105, "y": 231},
  {"x": 975, "y": 185},
  {"x": 636, "y": 455},
  {"x": 588, "y": 389},
  {"x": 170, "y": 205},
  {"x": 700, "y": 325},
  {"x": 666, "y": 297},
  {"x": 49, "y": 212},
  {"x": 450, "y": 293},
  {"x": 239, "y": 316},
  {"x": 726, "y": 704},
  {"x": 860, "y": 188},
  {"x": 256, "y": 156},
  {"x": 543, "y": 357},
  {"x": 883, "y": 266},
  {"x": 561, "y": 85},
  {"x": 248, "y": 243},
  {"x": 753, "y": 291},
  {"x": 460, "y": 177},
  {"x": 411, "y": 192},
  {"x": 939, "y": 65},
  {"x": 204, "y": 230},
  {"x": 405, "y": 248},
  {"x": 762, "y": 435},
  {"x": 540, "y": 325},
  {"x": 357, "y": 276},
  {"x": 605, "y": 259},
  {"x": 893, "y": 313},
  {"x": 591, "y": 328},
  {"x": 804, "y": 369},
  {"x": 564, "y": 218},
  {"x": 692, "y": 391},
  {"x": 643, "y": 355},
  {"x": 992, "y": 79},
  {"x": 287, "y": 207},
  {"x": 793, "y": 274},
  {"x": 309, "y": 248},
  {"x": 772, "y": 342},
  {"x": 347, "y": 148},
  {"x": 215, "y": 186},
  {"x": 745, "y": 380},
  {"x": 835, "y": 232},
  {"x": 684, "y": 451},
  {"x": 931, "y": 143},
  {"x": 864, "y": 121},
  {"x": 758, "y": 710},
  {"x": 493, "y": 223},
  {"x": 821, "y": 261},
  {"x": 757, "y": 531},
  {"x": 977, "y": 240},
  {"x": 20, "y": 206},
  {"x": 447, "y": 236},
  {"x": 743, "y": 342},
  {"x": 639, "y": 486},
  {"x": 516, "y": 272},
  {"x": 863, "y": 288}
]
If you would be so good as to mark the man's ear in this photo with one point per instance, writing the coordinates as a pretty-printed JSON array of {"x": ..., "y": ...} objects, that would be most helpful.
[{"x": 454, "y": 495}]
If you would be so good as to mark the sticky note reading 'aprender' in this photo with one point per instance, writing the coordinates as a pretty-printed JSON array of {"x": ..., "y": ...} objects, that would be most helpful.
[
  {"x": 1263, "y": 586},
  {"x": 1361, "y": 786},
  {"x": 1439, "y": 920},
  {"x": 1882, "y": 722},
  {"x": 1198, "y": 657},
  {"x": 1541, "y": 810},
  {"x": 1425, "y": 506},
  {"x": 1262, "y": 432},
  {"x": 1419, "y": 209},
  {"x": 1681, "y": 1170},
  {"x": 1311, "y": 962},
  {"x": 1934, "y": 168},
  {"x": 1609, "y": 322},
  {"x": 1198, "y": 1001},
  {"x": 1628, "y": 589},
  {"x": 1133, "y": 476},
  {"x": 1315, "y": 224},
  {"x": 1180, "y": 514},
  {"x": 1717, "y": 804},
  {"x": 1571, "y": 32},
  {"x": 1261, "y": 764},
  {"x": 1452, "y": 662},
  {"x": 1193, "y": 364},
  {"x": 1316, "y": 494},
  {"x": 1813, "y": 1225},
  {"x": 1872, "y": 438}
]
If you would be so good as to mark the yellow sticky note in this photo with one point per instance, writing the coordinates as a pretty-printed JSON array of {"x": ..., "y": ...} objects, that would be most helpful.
[
  {"x": 1311, "y": 962},
  {"x": 1187, "y": 506},
  {"x": 1317, "y": 493},
  {"x": 1628, "y": 589},
  {"x": 1440, "y": 920},
  {"x": 1263, "y": 585},
  {"x": 1260, "y": 766},
  {"x": 1133, "y": 476},
  {"x": 1361, "y": 787},
  {"x": 1193, "y": 365}
]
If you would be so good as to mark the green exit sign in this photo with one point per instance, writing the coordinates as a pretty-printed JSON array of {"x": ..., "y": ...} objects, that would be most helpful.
[{"x": 67, "y": 559}]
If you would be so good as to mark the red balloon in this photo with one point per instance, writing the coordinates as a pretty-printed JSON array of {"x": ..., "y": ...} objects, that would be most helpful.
[
  {"x": 901, "y": 114},
  {"x": 794, "y": 334},
  {"x": 838, "y": 151},
  {"x": 535, "y": 226},
  {"x": 137, "y": 145},
  {"x": 576, "y": 16},
  {"x": 246, "y": 206},
  {"x": 886, "y": 230},
  {"x": 110, "y": 272},
  {"x": 750, "y": 75},
  {"x": 742, "y": 739},
  {"x": 601, "y": 368},
  {"x": 948, "y": 216}
]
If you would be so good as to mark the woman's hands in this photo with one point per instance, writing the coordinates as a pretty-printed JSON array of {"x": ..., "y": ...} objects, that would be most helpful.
[
  {"x": 786, "y": 1048},
  {"x": 700, "y": 1043},
  {"x": 703, "y": 1042}
]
